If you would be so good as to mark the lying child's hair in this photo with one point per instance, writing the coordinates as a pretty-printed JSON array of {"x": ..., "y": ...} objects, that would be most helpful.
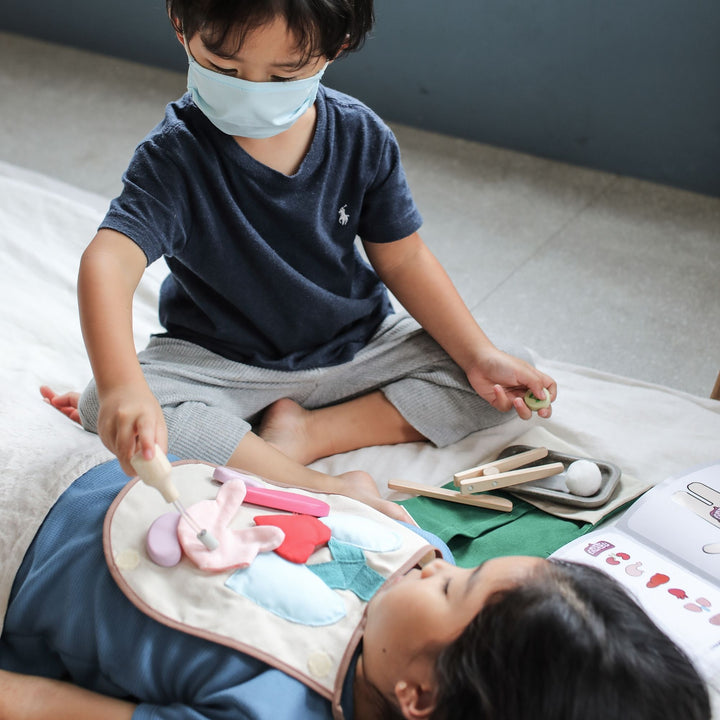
[
  {"x": 570, "y": 644},
  {"x": 323, "y": 28}
]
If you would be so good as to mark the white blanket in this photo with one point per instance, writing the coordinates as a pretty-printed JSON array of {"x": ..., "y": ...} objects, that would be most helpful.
[{"x": 651, "y": 432}]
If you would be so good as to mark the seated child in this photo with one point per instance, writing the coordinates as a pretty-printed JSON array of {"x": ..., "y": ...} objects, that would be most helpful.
[
  {"x": 516, "y": 638},
  {"x": 281, "y": 344}
]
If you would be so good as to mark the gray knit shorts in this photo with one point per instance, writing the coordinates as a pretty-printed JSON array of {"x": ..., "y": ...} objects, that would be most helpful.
[{"x": 209, "y": 402}]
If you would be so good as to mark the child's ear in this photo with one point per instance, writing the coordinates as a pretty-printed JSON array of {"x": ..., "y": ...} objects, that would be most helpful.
[
  {"x": 416, "y": 700},
  {"x": 342, "y": 49},
  {"x": 178, "y": 29}
]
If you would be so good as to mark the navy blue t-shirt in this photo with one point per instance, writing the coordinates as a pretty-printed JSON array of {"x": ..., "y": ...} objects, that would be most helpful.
[{"x": 264, "y": 268}]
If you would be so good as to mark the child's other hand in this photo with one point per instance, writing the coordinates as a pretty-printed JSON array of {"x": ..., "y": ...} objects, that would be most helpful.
[
  {"x": 67, "y": 403},
  {"x": 503, "y": 380},
  {"x": 131, "y": 421}
]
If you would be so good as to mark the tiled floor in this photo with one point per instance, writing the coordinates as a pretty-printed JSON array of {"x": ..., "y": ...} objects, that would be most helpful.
[{"x": 583, "y": 266}]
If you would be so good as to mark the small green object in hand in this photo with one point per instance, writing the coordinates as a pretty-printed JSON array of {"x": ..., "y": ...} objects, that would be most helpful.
[{"x": 535, "y": 403}]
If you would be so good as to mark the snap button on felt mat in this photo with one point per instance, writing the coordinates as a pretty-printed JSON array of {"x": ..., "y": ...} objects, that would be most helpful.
[{"x": 476, "y": 534}]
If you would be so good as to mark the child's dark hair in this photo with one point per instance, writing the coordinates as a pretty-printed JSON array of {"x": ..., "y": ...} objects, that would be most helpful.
[
  {"x": 323, "y": 28},
  {"x": 570, "y": 644}
]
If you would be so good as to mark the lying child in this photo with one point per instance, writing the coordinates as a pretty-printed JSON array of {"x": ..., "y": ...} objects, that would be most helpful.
[{"x": 516, "y": 638}]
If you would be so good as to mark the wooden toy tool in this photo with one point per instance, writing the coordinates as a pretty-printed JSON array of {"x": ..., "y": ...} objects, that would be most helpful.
[
  {"x": 500, "y": 473},
  {"x": 504, "y": 472},
  {"x": 491, "y": 502},
  {"x": 157, "y": 473}
]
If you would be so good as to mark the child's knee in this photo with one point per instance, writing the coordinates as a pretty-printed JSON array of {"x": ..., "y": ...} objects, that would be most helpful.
[{"x": 203, "y": 432}]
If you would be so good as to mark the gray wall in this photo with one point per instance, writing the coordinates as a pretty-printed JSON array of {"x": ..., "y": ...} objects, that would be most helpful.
[{"x": 627, "y": 86}]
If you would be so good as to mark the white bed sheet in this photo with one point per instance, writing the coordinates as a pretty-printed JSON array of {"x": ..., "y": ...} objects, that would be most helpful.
[{"x": 651, "y": 432}]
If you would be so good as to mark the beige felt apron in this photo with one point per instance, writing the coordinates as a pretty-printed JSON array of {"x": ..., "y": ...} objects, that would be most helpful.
[{"x": 303, "y": 628}]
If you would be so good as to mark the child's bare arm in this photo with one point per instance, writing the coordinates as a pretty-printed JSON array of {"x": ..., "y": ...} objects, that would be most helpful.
[
  {"x": 25, "y": 697},
  {"x": 130, "y": 418},
  {"x": 418, "y": 280}
]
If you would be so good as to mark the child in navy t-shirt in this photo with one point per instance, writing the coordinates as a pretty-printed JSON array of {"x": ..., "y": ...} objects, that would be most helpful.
[{"x": 281, "y": 345}]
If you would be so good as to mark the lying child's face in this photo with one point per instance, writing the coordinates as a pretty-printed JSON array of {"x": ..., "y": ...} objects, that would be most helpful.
[
  {"x": 268, "y": 53},
  {"x": 410, "y": 620}
]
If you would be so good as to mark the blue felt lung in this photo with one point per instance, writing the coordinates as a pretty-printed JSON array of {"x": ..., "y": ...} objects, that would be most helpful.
[
  {"x": 363, "y": 533},
  {"x": 288, "y": 590}
]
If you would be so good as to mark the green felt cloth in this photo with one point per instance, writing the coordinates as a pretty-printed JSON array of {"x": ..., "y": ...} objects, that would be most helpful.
[{"x": 475, "y": 534}]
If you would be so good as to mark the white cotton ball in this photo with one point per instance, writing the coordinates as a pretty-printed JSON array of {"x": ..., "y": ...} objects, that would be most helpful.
[{"x": 583, "y": 477}]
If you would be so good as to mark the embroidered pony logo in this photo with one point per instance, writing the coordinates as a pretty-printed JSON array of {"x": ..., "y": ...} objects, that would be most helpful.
[{"x": 343, "y": 217}]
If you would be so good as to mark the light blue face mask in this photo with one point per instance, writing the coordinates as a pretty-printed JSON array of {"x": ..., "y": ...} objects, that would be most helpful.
[{"x": 250, "y": 109}]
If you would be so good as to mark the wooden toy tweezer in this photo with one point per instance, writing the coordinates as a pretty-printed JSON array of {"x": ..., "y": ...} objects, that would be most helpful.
[
  {"x": 489, "y": 476},
  {"x": 503, "y": 473}
]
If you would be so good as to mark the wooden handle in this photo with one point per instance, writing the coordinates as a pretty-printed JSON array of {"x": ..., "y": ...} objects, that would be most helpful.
[
  {"x": 503, "y": 464},
  {"x": 513, "y": 477},
  {"x": 491, "y": 502}
]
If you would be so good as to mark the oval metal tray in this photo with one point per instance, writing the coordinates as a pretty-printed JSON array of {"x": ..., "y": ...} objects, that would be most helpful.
[{"x": 610, "y": 477}]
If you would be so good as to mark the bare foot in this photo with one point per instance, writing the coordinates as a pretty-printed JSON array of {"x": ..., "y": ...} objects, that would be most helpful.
[
  {"x": 286, "y": 426},
  {"x": 67, "y": 403},
  {"x": 360, "y": 486}
]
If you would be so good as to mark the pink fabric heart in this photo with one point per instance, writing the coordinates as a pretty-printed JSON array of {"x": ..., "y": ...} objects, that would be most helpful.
[{"x": 237, "y": 548}]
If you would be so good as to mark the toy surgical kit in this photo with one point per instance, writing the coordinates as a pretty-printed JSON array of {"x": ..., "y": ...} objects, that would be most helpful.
[{"x": 530, "y": 472}]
